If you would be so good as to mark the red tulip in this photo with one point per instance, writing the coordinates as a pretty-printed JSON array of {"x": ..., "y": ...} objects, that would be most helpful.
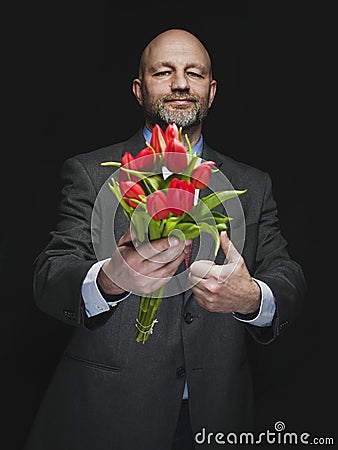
[
  {"x": 144, "y": 160},
  {"x": 180, "y": 197},
  {"x": 200, "y": 176},
  {"x": 127, "y": 161},
  {"x": 157, "y": 205},
  {"x": 175, "y": 156},
  {"x": 171, "y": 132},
  {"x": 131, "y": 190},
  {"x": 158, "y": 139}
]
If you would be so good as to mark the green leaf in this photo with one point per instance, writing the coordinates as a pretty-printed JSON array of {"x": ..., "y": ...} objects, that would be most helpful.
[
  {"x": 170, "y": 224},
  {"x": 222, "y": 227},
  {"x": 180, "y": 134},
  {"x": 190, "y": 230},
  {"x": 151, "y": 148},
  {"x": 155, "y": 229},
  {"x": 111, "y": 163},
  {"x": 168, "y": 180},
  {"x": 212, "y": 229},
  {"x": 137, "y": 172},
  {"x": 153, "y": 183},
  {"x": 191, "y": 165},
  {"x": 220, "y": 218},
  {"x": 116, "y": 191},
  {"x": 214, "y": 199},
  {"x": 139, "y": 221},
  {"x": 161, "y": 141},
  {"x": 188, "y": 143},
  {"x": 199, "y": 212}
]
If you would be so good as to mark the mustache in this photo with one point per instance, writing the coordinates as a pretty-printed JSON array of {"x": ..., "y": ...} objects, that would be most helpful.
[{"x": 190, "y": 98}]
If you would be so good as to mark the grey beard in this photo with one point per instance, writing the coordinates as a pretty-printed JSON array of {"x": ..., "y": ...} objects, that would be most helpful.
[
  {"x": 181, "y": 118},
  {"x": 157, "y": 113}
]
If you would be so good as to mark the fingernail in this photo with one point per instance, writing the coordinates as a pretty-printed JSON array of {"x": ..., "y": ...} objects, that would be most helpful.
[{"x": 173, "y": 242}]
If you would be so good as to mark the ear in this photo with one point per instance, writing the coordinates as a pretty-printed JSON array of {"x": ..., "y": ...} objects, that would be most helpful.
[
  {"x": 136, "y": 86},
  {"x": 212, "y": 92}
]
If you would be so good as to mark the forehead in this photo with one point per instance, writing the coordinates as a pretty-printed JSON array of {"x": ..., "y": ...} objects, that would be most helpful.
[{"x": 178, "y": 52}]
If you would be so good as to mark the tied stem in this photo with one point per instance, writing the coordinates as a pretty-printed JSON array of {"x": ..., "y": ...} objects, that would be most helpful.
[{"x": 146, "y": 318}]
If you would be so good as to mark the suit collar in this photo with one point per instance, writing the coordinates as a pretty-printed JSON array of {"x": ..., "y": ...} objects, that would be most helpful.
[{"x": 222, "y": 161}]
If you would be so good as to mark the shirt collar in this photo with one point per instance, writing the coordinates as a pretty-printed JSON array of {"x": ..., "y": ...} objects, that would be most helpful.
[{"x": 197, "y": 149}]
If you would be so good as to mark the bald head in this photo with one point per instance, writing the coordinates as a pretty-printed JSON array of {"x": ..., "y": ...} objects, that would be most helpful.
[
  {"x": 175, "y": 83},
  {"x": 175, "y": 41}
]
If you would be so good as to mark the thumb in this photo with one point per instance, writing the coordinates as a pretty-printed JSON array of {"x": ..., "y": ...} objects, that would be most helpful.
[{"x": 228, "y": 248}]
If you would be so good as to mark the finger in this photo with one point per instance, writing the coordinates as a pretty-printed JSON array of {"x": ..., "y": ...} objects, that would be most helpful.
[
  {"x": 156, "y": 277},
  {"x": 198, "y": 288},
  {"x": 165, "y": 269},
  {"x": 126, "y": 238},
  {"x": 199, "y": 298},
  {"x": 194, "y": 279},
  {"x": 152, "y": 248},
  {"x": 201, "y": 268},
  {"x": 148, "y": 288},
  {"x": 162, "y": 250},
  {"x": 222, "y": 272},
  {"x": 207, "y": 286},
  {"x": 197, "y": 281},
  {"x": 228, "y": 248}
]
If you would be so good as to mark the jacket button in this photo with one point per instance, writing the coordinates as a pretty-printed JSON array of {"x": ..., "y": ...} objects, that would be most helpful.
[
  {"x": 180, "y": 372},
  {"x": 282, "y": 325},
  {"x": 188, "y": 317}
]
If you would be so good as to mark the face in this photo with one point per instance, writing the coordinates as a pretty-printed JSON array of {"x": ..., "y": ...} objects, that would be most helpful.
[{"x": 175, "y": 83}]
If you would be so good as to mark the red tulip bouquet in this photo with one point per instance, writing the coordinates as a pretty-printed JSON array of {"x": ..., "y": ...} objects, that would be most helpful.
[{"x": 156, "y": 190}]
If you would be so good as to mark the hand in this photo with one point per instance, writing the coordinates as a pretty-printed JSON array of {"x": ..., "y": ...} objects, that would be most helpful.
[
  {"x": 143, "y": 269},
  {"x": 225, "y": 288}
]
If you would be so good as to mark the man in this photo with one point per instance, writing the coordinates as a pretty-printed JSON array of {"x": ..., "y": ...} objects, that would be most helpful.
[{"x": 192, "y": 376}]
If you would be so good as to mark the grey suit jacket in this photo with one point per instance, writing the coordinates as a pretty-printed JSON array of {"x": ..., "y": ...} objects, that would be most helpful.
[{"x": 109, "y": 392}]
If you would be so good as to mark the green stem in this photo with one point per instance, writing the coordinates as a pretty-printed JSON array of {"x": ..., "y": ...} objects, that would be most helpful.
[{"x": 149, "y": 305}]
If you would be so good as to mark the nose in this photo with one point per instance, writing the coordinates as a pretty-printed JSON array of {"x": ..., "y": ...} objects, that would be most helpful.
[{"x": 179, "y": 82}]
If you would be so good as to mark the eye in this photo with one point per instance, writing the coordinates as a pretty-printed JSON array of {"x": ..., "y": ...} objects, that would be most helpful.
[
  {"x": 194, "y": 75},
  {"x": 162, "y": 73}
]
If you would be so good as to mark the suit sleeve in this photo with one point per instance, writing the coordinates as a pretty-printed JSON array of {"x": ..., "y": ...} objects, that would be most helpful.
[
  {"x": 274, "y": 266},
  {"x": 61, "y": 267}
]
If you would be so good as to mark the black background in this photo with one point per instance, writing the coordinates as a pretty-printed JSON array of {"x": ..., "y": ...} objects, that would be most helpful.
[{"x": 69, "y": 91}]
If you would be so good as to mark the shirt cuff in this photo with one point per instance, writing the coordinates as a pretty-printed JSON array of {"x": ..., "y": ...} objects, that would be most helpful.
[
  {"x": 92, "y": 298},
  {"x": 267, "y": 307}
]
